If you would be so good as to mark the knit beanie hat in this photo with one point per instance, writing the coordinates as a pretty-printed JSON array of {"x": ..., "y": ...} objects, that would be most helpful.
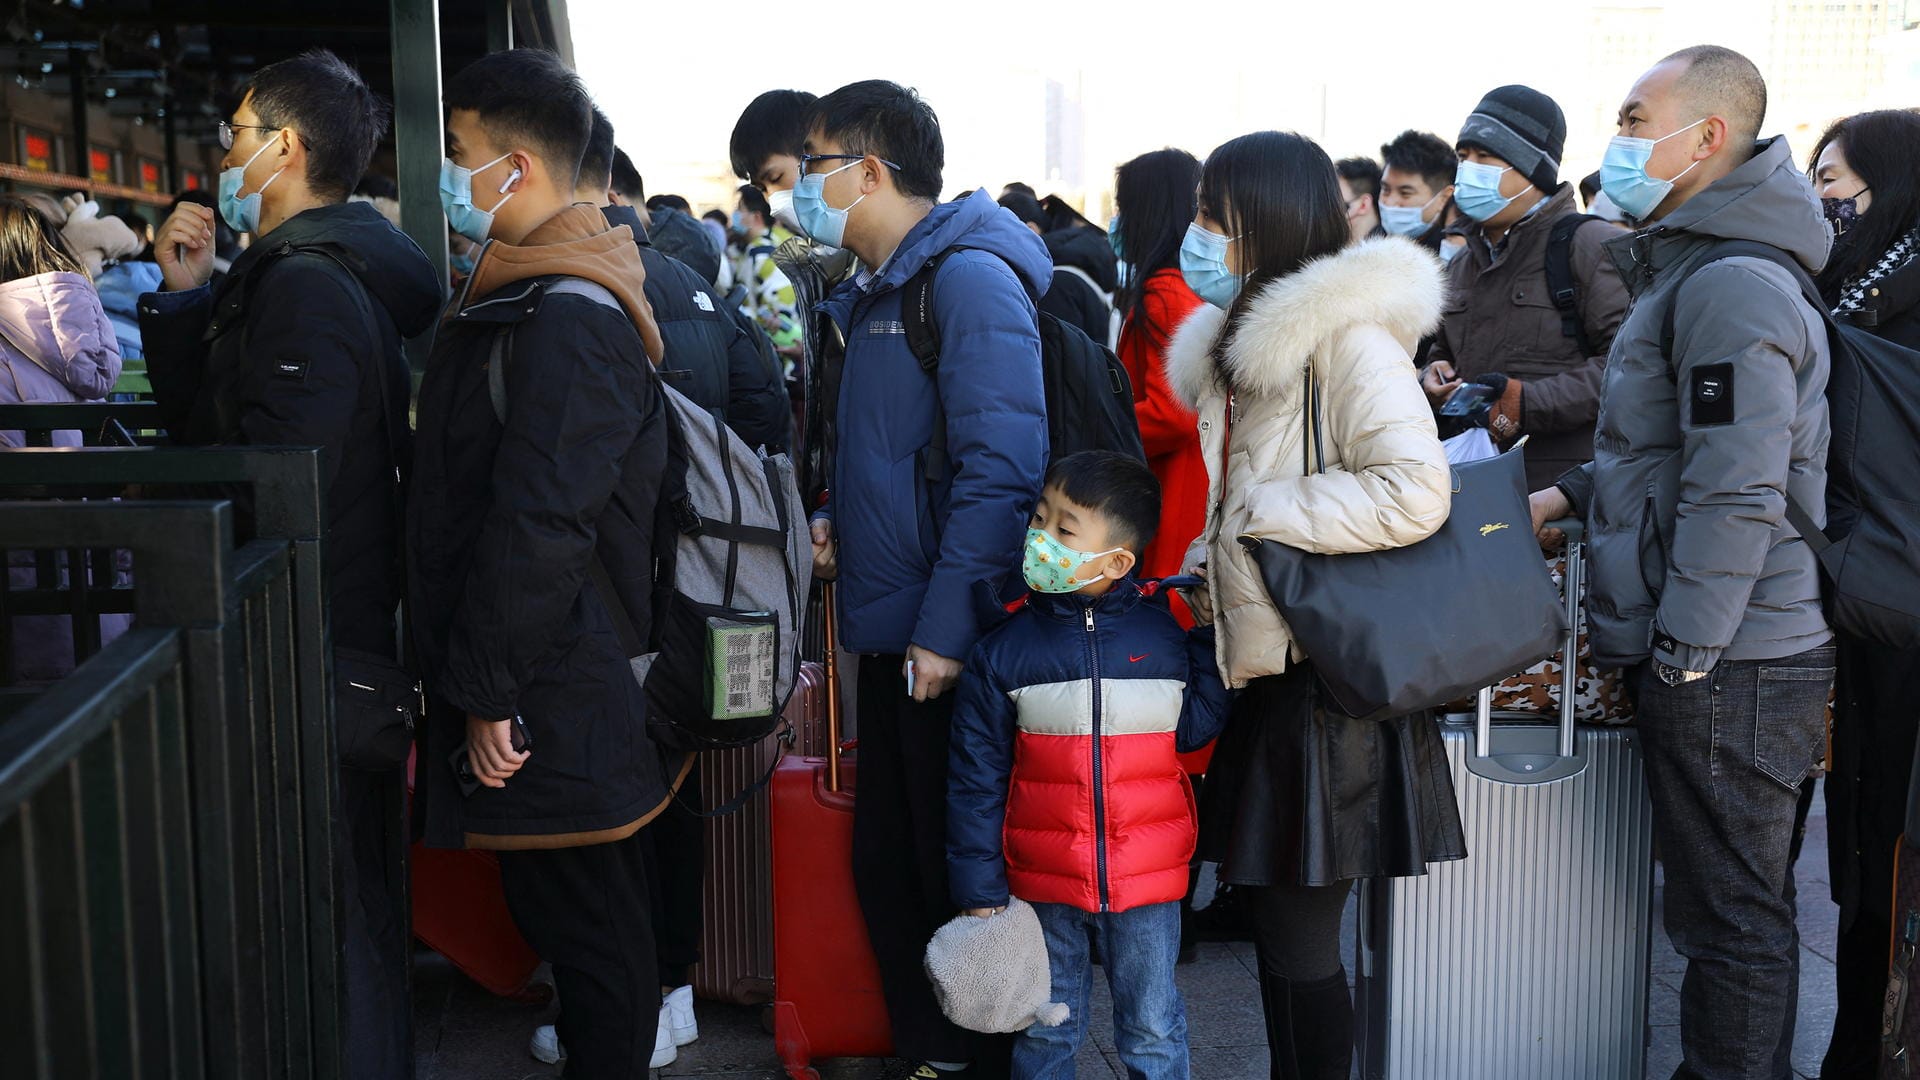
[
  {"x": 991, "y": 975},
  {"x": 1524, "y": 128}
]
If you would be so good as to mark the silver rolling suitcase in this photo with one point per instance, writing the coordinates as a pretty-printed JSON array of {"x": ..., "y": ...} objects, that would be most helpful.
[{"x": 1527, "y": 960}]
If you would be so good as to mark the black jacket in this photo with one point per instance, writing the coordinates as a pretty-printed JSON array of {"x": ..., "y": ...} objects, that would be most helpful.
[
  {"x": 709, "y": 358},
  {"x": 502, "y": 528},
  {"x": 284, "y": 351},
  {"x": 1070, "y": 299}
]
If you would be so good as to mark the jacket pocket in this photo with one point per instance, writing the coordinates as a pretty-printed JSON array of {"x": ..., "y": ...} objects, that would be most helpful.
[
  {"x": 1790, "y": 709},
  {"x": 1653, "y": 550}
]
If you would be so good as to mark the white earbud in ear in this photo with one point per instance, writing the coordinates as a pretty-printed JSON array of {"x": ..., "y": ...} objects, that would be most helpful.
[{"x": 511, "y": 177}]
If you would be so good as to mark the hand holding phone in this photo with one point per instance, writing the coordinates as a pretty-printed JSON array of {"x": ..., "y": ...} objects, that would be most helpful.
[{"x": 495, "y": 763}]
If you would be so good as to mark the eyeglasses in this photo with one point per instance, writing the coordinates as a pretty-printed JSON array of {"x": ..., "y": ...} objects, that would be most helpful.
[
  {"x": 227, "y": 130},
  {"x": 808, "y": 159}
]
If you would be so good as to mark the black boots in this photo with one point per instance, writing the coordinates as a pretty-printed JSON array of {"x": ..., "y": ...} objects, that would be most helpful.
[{"x": 1309, "y": 1027}]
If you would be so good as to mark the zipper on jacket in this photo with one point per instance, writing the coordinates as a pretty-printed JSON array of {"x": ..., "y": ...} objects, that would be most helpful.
[{"x": 1099, "y": 784}]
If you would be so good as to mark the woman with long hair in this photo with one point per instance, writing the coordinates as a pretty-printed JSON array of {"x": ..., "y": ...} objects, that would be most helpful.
[
  {"x": 1302, "y": 801},
  {"x": 1866, "y": 170},
  {"x": 1154, "y": 196},
  {"x": 55, "y": 341}
]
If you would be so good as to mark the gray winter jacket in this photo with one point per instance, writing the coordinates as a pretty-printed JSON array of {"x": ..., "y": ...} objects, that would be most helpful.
[{"x": 1692, "y": 559}]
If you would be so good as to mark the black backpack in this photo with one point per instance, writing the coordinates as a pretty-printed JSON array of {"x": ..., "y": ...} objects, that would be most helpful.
[
  {"x": 1870, "y": 549},
  {"x": 1560, "y": 283},
  {"x": 1089, "y": 399}
]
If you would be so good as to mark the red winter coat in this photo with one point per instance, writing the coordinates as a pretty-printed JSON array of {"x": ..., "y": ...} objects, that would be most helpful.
[{"x": 1167, "y": 427}]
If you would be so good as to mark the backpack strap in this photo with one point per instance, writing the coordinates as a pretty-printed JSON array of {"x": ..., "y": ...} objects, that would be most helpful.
[
  {"x": 1797, "y": 515},
  {"x": 923, "y": 339},
  {"x": 1560, "y": 283}
]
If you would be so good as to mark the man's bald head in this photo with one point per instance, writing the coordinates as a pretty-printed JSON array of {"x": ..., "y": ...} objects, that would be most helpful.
[{"x": 1714, "y": 81}]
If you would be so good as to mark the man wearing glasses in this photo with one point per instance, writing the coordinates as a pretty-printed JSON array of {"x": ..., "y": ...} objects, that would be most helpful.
[
  {"x": 299, "y": 345},
  {"x": 910, "y": 529}
]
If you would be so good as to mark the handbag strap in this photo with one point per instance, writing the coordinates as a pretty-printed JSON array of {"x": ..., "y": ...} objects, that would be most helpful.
[{"x": 1313, "y": 457}]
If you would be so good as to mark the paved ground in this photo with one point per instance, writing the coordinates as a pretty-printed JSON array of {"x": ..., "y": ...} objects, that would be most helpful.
[{"x": 465, "y": 1034}]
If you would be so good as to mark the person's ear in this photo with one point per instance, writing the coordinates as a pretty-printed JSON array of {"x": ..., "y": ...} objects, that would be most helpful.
[
  {"x": 1119, "y": 564},
  {"x": 1713, "y": 138},
  {"x": 871, "y": 171},
  {"x": 519, "y": 169}
]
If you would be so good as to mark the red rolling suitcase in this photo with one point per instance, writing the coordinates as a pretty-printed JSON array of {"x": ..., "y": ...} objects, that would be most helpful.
[
  {"x": 827, "y": 1000},
  {"x": 736, "y": 927},
  {"x": 460, "y": 912}
]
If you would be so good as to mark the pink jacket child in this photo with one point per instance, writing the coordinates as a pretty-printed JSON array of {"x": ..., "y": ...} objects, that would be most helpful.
[{"x": 55, "y": 345}]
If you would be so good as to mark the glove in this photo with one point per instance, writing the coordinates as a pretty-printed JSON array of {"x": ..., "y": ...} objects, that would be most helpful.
[
  {"x": 96, "y": 240},
  {"x": 1506, "y": 415}
]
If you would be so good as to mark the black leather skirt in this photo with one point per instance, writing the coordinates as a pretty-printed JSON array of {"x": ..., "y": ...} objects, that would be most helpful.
[{"x": 1300, "y": 796}]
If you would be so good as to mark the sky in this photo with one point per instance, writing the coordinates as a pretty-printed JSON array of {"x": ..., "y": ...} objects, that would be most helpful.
[{"x": 1349, "y": 74}]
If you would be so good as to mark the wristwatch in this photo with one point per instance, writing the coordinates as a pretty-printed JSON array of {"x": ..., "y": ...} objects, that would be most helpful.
[{"x": 1674, "y": 676}]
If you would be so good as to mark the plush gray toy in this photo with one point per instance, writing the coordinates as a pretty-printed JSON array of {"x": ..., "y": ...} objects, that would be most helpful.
[{"x": 991, "y": 975}]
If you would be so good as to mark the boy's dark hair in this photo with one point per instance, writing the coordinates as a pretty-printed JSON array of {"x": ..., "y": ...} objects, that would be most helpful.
[
  {"x": 339, "y": 119},
  {"x": 670, "y": 202},
  {"x": 1589, "y": 189},
  {"x": 718, "y": 217},
  {"x": 888, "y": 121},
  {"x": 529, "y": 98},
  {"x": 773, "y": 123},
  {"x": 1022, "y": 188},
  {"x": 596, "y": 161},
  {"x": 1119, "y": 487},
  {"x": 375, "y": 186},
  {"x": 1361, "y": 174},
  {"x": 754, "y": 202},
  {"x": 1026, "y": 208},
  {"x": 626, "y": 178},
  {"x": 1422, "y": 154}
]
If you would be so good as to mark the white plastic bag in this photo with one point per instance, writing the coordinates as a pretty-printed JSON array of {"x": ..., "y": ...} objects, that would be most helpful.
[{"x": 1472, "y": 445}]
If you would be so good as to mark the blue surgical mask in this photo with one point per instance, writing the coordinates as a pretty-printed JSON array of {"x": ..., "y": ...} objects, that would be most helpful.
[
  {"x": 243, "y": 215},
  {"x": 1476, "y": 190},
  {"x": 1203, "y": 262},
  {"x": 739, "y": 222},
  {"x": 1113, "y": 238},
  {"x": 462, "y": 263},
  {"x": 1403, "y": 220},
  {"x": 1623, "y": 173},
  {"x": 456, "y": 198},
  {"x": 825, "y": 224},
  {"x": 1450, "y": 252}
]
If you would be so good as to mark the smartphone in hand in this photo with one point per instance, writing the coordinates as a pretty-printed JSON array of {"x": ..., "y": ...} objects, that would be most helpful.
[{"x": 462, "y": 763}]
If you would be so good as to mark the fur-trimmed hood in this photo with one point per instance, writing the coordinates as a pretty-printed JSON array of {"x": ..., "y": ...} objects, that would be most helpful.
[{"x": 1390, "y": 282}]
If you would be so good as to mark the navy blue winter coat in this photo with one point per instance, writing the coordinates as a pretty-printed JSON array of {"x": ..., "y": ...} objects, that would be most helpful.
[
  {"x": 1064, "y": 785},
  {"x": 910, "y": 552}
]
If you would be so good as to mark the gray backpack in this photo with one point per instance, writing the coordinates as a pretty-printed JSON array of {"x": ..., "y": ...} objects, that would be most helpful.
[{"x": 733, "y": 564}]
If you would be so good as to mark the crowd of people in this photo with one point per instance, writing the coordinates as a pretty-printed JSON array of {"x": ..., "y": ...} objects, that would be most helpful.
[{"x": 1026, "y": 753}]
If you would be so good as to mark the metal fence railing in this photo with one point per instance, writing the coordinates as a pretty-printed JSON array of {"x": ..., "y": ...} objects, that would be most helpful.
[
  {"x": 168, "y": 874},
  {"x": 100, "y": 423}
]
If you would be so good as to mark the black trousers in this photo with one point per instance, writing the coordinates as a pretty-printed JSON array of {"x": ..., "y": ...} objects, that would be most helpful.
[
  {"x": 677, "y": 867},
  {"x": 587, "y": 911},
  {"x": 371, "y": 831},
  {"x": 900, "y": 860}
]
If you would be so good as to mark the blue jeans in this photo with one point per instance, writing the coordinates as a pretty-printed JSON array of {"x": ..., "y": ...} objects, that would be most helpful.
[
  {"x": 1725, "y": 758},
  {"x": 1139, "y": 948}
]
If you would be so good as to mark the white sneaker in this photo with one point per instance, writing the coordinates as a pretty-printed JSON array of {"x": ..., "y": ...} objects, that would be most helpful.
[
  {"x": 677, "y": 1011},
  {"x": 545, "y": 1046},
  {"x": 664, "y": 1052}
]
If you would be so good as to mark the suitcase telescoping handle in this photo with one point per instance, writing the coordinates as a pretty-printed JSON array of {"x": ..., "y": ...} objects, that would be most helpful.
[
  {"x": 829, "y": 617},
  {"x": 1573, "y": 584}
]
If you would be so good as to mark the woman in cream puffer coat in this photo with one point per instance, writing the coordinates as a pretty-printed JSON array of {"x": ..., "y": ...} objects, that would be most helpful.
[{"x": 1300, "y": 802}]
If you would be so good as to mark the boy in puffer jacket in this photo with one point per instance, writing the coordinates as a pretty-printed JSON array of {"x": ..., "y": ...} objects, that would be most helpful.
[{"x": 1064, "y": 789}]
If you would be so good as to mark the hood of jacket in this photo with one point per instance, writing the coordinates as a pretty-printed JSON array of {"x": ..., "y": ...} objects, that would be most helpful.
[
  {"x": 387, "y": 261},
  {"x": 1766, "y": 199},
  {"x": 1085, "y": 248},
  {"x": 576, "y": 242},
  {"x": 55, "y": 321},
  {"x": 973, "y": 222},
  {"x": 679, "y": 235},
  {"x": 1390, "y": 282}
]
